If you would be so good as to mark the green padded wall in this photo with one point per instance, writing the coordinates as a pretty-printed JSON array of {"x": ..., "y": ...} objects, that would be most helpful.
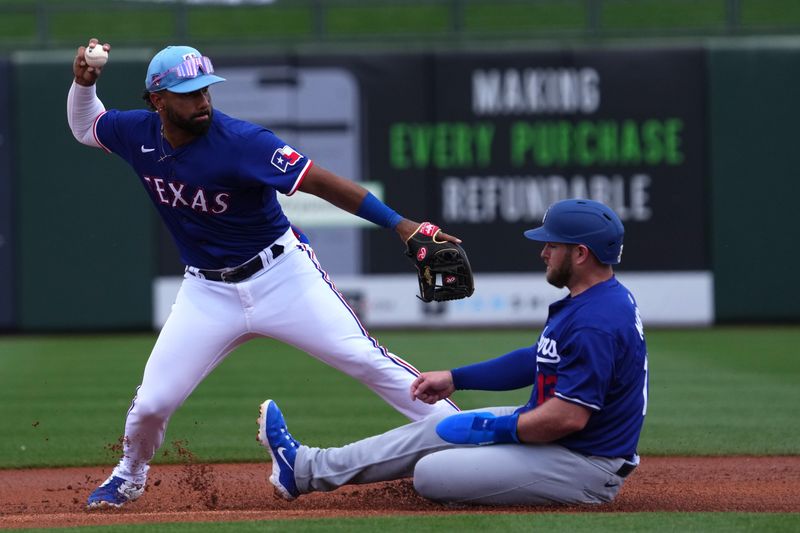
[
  {"x": 755, "y": 154},
  {"x": 85, "y": 251}
]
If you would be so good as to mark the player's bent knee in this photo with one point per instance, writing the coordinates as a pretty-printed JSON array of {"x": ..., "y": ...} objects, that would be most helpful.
[{"x": 429, "y": 480}]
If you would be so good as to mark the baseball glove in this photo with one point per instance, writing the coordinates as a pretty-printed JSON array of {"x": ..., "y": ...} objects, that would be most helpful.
[{"x": 442, "y": 266}]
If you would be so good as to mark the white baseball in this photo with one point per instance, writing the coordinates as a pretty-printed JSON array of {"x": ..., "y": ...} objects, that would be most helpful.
[{"x": 95, "y": 56}]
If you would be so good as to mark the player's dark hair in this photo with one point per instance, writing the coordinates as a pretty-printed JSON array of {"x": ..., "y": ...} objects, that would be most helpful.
[{"x": 146, "y": 98}]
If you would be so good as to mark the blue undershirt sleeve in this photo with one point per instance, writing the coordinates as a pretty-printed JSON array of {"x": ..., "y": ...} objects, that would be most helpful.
[
  {"x": 377, "y": 212},
  {"x": 511, "y": 371}
]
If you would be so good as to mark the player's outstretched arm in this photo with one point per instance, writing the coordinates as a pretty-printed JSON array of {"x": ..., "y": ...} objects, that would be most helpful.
[
  {"x": 430, "y": 387},
  {"x": 341, "y": 192},
  {"x": 353, "y": 198}
]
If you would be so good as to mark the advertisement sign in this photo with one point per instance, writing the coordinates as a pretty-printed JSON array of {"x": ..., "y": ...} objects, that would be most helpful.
[
  {"x": 482, "y": 144},
  {"x": 518, "y": 300},
  {"x": 506, "y": 135},
  {"x": 500, "y": 300},
  {"x": 502, "y": 136}
]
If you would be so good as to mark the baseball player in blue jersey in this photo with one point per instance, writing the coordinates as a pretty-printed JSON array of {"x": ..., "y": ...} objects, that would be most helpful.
[
  {"x": 573, "y": 442},
  {"x": 214, "y": 180}
]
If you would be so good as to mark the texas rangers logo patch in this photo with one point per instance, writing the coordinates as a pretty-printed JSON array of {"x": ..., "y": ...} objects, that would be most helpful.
[{"x": 285, "y": 157}]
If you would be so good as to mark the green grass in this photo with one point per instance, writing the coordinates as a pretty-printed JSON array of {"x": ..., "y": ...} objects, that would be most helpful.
[
  {"x": 729, "y": 390},
  {"x": 575, "y": 523},
  {"x": 716, "y": 391},
  {"x": 63, "y": 398}
]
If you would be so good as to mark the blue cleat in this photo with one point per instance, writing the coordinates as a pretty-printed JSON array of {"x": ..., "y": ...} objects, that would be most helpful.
[
  {"x": 273, "y": 435},
  {"x": 114, "y": 492}
]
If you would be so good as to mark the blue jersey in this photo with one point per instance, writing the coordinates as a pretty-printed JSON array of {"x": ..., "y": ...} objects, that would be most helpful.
[
  {"x": 217, "y": 194},
  {"x": 592, "y": 353}
]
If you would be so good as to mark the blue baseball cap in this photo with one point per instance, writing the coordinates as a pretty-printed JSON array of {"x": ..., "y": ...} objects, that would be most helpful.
[
  {"x": 586, "y": 222},
  {"x": 181, "y": 69}
]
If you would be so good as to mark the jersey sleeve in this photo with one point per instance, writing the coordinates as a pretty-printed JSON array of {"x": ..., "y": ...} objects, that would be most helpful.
[
  {"x": 113, "y": 127},
  {"x": 511, "y": 371},
  {"x": 586, "y": 368},
  {"x": 273, "y": 162}
]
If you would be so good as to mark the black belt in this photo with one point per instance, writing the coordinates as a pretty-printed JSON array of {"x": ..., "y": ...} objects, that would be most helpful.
[
  {"x": 243, "y": 271},
  {"x": 626, "y": 469}
]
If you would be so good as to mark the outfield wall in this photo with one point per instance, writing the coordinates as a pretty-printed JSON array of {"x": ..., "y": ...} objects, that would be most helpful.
[
  {"x": 755, "y": 113},
  {"x": 85, "y": 250},
  {"x": 7, "y": 297},
  {"x": 691, "y": 146}
]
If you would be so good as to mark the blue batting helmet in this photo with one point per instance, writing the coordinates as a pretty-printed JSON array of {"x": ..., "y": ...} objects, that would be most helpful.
[{"x": 586, "y": 222}]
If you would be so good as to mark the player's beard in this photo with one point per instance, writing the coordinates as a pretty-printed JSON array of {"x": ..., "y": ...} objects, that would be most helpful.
[
  {"x": 190, "y": 125},
  {"x": 560, "y": 276}
]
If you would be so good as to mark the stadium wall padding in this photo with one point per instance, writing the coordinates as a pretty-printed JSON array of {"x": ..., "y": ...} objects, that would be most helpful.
[
  {"x": 7, "y": 298},
  {"x": 755, "y": 113},
  {"x": 86, "y": 240},
  {"x": 85, "y": 253}
]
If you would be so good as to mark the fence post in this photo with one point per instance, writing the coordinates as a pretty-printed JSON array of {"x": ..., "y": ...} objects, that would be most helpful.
[
  {"x": 593, "y": 11},
  {"x": 181, "y": 14},
  {"x": 457, "y": 19},
  {"x": 318, "y": 17},
  {"x": 43, "y": 23},
  {"x": 733, "y": 15}
]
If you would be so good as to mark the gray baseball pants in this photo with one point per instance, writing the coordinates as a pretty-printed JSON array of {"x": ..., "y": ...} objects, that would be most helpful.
[{"x": 501, "y": 474}]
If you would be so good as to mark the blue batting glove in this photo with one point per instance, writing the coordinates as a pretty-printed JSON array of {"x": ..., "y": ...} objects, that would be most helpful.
[{"x": 478, "y": 428}]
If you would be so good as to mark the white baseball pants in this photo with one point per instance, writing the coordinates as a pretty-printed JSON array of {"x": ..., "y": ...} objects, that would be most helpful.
[
  {"x": 291, "y": 300},
  {"x": 500, "y": 474}
]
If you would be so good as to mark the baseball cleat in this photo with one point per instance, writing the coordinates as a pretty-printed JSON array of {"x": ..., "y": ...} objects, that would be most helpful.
[
  {"x": 114, "y": 492},
  {"x": 282, "y": 447}
]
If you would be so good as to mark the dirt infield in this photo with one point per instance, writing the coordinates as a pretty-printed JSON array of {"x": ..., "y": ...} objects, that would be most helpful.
[{"x": 224, "y": 492}]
